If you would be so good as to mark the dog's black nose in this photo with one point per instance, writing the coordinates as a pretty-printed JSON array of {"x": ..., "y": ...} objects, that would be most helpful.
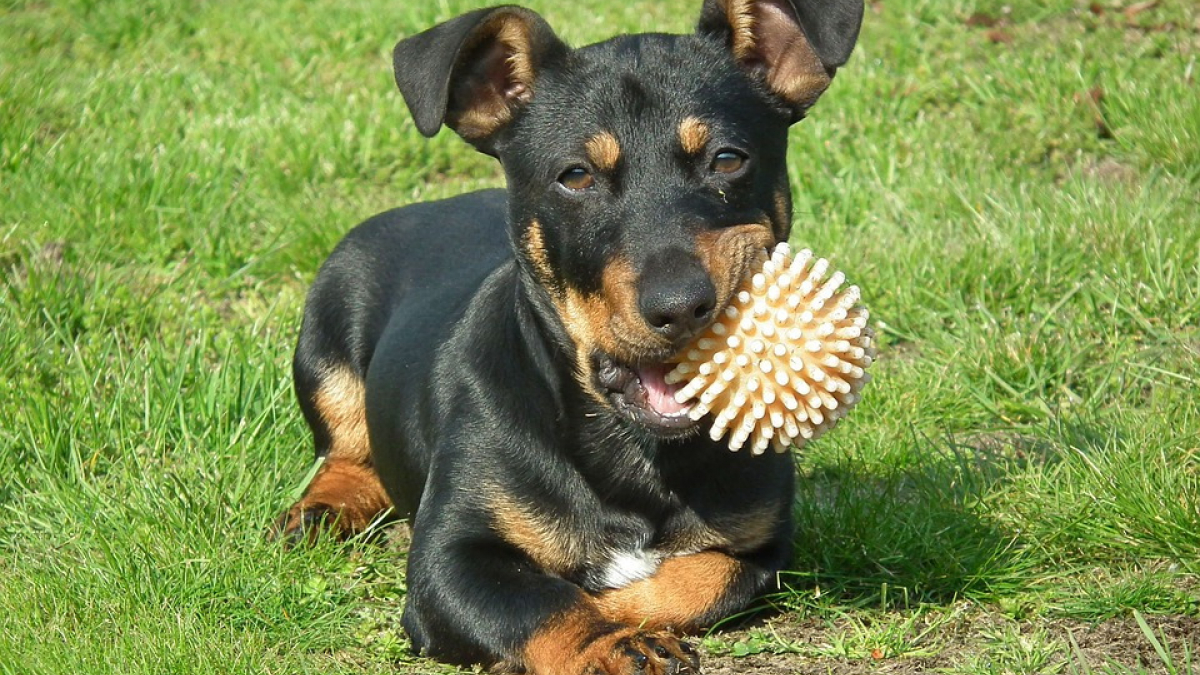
[{"x": 677, "y": 300}]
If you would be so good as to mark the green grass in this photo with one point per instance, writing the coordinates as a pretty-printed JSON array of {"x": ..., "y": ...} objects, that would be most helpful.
[{"x": 172, "y": 174}]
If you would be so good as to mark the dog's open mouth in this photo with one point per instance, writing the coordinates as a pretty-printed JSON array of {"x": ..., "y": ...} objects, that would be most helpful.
[{"x": 642, "y": 394}]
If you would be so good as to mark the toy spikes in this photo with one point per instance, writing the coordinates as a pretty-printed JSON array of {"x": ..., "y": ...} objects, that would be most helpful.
[{"x": 785, "y": 360}]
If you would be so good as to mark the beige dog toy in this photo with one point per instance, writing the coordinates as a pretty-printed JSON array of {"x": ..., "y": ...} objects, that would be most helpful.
[{"x": 786, "y": 359}]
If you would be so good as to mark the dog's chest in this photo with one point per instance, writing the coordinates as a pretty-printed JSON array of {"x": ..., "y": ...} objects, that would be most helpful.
[
  {"x": 625, "y": 558},
  {"x": 601, "y": 546},
  {"x": 624, "y": 567}
]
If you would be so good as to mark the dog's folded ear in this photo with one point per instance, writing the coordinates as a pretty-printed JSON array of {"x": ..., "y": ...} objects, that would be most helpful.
[
  {"x": 474, "y": 72},
  {"x": 792, "y": 46}
]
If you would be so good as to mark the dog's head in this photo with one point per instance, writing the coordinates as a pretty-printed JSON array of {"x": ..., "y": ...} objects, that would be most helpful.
[{"x": 644, "y": 172}]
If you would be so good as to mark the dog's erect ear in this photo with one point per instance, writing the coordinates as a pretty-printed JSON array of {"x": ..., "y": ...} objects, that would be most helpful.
[
  {"x": 793, "y": 46},
  {"x": 473, "y": 72}
]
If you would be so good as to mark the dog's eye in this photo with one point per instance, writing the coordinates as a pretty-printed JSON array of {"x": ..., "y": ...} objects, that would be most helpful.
[
  {"x": 577, "y": 178},
  {"x": 727, "y": 161}
]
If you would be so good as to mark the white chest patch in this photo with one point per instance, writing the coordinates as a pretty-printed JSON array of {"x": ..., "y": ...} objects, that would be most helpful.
[{"x": 626, "y": 567}]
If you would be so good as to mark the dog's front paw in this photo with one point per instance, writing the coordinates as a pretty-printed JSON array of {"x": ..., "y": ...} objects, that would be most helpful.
[
  {"x": 303, "y": 523},
  {"x": 643, "y": 653}
]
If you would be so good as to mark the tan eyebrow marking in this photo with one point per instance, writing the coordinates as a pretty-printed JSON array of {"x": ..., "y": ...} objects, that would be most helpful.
[
  {"x": 694, "y": 134},
  {"x": 603, "y": 150}
]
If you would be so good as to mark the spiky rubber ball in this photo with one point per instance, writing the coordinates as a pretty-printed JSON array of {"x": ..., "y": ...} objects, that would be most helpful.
[{"x": 785, "y": 360}]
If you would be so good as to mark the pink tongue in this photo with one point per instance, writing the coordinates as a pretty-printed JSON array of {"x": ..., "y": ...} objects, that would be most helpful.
[{"x": 659, "y": 395}]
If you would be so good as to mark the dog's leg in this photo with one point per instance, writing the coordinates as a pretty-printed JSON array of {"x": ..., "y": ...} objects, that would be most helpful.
[
  {"x": 582, "y": 642},
  {"x": 474, "y": 598},
  {"x": 345, "y": 496},
  {"x": 692, "y": 591}
]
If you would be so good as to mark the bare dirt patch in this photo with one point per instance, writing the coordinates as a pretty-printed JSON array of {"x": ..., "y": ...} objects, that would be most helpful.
[{"x": 966, "y": 643}]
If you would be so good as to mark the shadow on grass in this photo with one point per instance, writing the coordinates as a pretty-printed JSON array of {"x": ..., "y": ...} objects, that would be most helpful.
[{"x": 921, "y": 533}]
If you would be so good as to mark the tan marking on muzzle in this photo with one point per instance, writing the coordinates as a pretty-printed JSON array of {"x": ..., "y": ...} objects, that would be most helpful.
[
  {"x": 608, "y": 321},
  {"x": 726, "y": 254}
]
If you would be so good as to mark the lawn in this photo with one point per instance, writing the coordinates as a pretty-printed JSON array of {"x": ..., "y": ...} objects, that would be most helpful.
[{"x": 1014, "y": 184}]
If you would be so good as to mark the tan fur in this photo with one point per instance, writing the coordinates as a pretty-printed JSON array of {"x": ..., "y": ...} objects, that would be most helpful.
[
  {"x": 694, "y": 134},
  {"x": 608, "y": 321},
  {"x": 799, "y": 75},
  {"x": 514, "y": 34},
  {"x": 783, "y": 213},
  {"x": 545, "y": 540},
  {"x": 341, "y": 402},
  {"x": 557, "y": 647},
  {"x": 581, "y": 642},
  {"x": 485, "y": 114},
  {"x": 349, "y": 490},
  {"x": 677, "y": 596},
  {"x": 347, "y": 485},
  {"x": 794, "y": 71},
  {"x": 741, "y": 20},
  {"x": 481, "y": 119},
  {"x": 749, "y": 531},
  {"x": 581, "y": 316},
  {"x": 603, "y": 150},
  {"x": 726, "y": 254},
  {"x": 535, "y": 248}
]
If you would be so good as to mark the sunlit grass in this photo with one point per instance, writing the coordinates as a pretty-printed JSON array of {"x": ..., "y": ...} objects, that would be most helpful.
[{"x": 172, "y": 174}]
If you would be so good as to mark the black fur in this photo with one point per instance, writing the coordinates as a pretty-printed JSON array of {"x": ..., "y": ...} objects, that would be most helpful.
[{"x": 476, "y": 387}]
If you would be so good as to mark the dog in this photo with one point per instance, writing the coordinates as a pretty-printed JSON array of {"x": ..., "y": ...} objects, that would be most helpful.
[{"x": 491, "y": 367}]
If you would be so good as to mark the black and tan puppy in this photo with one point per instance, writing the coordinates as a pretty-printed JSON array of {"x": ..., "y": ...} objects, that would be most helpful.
[{"x": 492, "y": 365}]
